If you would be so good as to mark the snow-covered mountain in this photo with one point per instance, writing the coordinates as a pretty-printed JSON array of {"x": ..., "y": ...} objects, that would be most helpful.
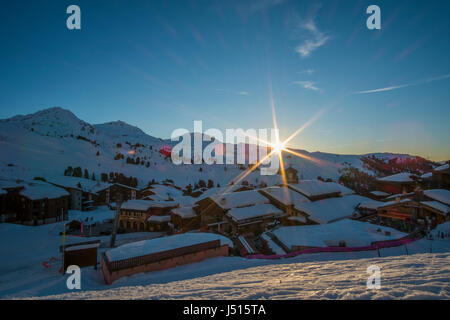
[{"x": 45, "y": 143}]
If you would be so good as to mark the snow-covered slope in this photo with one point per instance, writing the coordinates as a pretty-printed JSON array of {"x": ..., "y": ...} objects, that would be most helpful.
[
  {"x": 47, "y": 142},
  {"x": 421, "y": 276}
]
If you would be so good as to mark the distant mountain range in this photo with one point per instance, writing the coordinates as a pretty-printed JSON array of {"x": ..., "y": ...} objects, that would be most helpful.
[{"x": 45, "y": 143}]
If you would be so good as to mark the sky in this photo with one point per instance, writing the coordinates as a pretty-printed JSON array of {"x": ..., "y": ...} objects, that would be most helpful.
[{"x": 160, "y": 65}]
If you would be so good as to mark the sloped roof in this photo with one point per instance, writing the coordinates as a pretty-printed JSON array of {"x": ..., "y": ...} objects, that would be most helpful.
[
  {"x": 38, "y": 191},
  {"x": 315, "y": 188},
  {"x": 256, "y": 211},
  {"x": 399, "y": 177},
  {"x": 441, "y": 195}
]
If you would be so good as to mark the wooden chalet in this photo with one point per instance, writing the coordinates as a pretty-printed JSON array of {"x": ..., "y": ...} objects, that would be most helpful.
[
  {"x": 398, "y": 183},
  {"x": 42, "y": 203}
]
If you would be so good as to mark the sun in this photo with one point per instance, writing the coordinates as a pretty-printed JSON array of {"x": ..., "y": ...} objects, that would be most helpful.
[{"x": 278, "y": 147}]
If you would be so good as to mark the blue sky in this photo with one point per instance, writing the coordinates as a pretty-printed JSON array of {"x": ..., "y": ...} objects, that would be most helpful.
[{"x": 161, "y": 65}]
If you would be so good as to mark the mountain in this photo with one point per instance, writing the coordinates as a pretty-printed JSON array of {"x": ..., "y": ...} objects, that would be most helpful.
[{"x": 45, "y": 143}]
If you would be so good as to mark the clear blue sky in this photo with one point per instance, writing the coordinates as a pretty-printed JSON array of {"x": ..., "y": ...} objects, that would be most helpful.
[{"x": 161, "y": 65}]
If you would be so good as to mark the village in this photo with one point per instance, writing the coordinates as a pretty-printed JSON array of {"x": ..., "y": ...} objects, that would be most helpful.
[{"x": 267, "y": 222}]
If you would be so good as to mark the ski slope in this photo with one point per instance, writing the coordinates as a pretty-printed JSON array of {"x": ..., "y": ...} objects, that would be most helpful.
[{"x": 421, "y": 276}]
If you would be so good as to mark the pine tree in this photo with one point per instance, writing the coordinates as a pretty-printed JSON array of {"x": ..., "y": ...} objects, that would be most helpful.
[
  {"x": 86, "y": 174},
  {"x": 93, "y": 176}
]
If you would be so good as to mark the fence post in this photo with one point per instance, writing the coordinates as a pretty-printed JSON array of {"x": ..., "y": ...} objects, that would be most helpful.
[
  {"x": 406, "y": 248},
  {"x": 378, "y": 250}
]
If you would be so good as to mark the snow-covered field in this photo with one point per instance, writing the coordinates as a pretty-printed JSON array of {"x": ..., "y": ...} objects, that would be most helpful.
[{"x": 421, "y": 276}]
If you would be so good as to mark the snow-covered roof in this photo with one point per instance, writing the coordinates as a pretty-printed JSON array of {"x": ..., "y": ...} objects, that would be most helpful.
[
  {"x": 315, "y": 188},
  {"x": 140, "y": 248},
  {"x": 371, "y": 204},
  {"x": 441, "y": 195},
  {"x": 239, "y": 199},
  {"x": 140, "y": 205},
  {"x": 284, "y": 195},
  {"x": 6, "y": 184},
  {"x": 101, "y": 214},
  {"x": 390, "y": 203},
  {"x": 253, "y": 212},
  {"x": 164, "y": 192},
  {"x": 354, "y": 233},
  {"x": 159, "y": 219},
  {"x": 87, "y": 185},
  {"x": 2, "y": 192},
  {"x": 442, "y": 168},
  {"x": 400, "y": 195},
  {"x": 185, "y": 212},
  {"x": 427, "y": 175},
  {"x": 331, "y": 209},
  {"x": 399, "y": 177},
  {"x": 379, "y": 193},
  {"x": 37, "y": 191},
  {"x": 437, "y": 206}
]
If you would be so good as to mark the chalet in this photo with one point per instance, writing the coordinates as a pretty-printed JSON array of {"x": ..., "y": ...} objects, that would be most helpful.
[
  {"x": 378, "y": 195},
  {"x": 161, "y": 192},
  {"x": 398, "y": 183},
  {"x": 316, "y": 189},
  {"x": 331, "y": 209},
  {"x": 253, "y": 219},
  {"x": 286, "y": 199},
  {"x": 184, "y": 219},
  {"x": 9, "y": 200},
  {"x": 41, "y": 203},
  {"x": 441, "y": 176},
  {"x": 162, "y": 253},
  {"x": 135, "y": 215},
  {"x": 158, "y": 223},
  {"x": 211, "y": 210},
  {"x": 85, "y": 194},
  {"x": 291, "y": 175},
  {"x": 116, "y": 191}
]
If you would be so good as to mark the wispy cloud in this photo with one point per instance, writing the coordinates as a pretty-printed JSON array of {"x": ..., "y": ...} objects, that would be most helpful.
[
  {"x": 424, "y": 81},
  {"x": 308, "y": 85},
  {"x": 239, "y": 93},
  {"x": 315, "y": 39},
  {"x": 307, "y": 71}
]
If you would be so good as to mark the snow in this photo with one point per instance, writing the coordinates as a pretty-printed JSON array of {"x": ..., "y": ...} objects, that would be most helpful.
[
  {"x": 371, "y": 204},
  {"x": 87, "y": 185},
  {"x": 438, "y": 206},
  {"x": 185, "y": 212},
  {"x": 163, "y": 192},
  {"x": 442, "y": 168},
  {"x": 390, "y": 203},
  {"x": 159, "y": 219},
  {"x": 285, "y": 195},
  {"x": 256, "y": 211},
  {"x": 314, "y": 188},
  {"x": 440, "y": 195},
  {"x": 420, "y": 276},
  {"x": 139, "y": 205},
  {"x": 399, "y": 177},
  {"x": 83, "y": 246},
  {"x": 2, "y": 192},
  {"x": 145, "y": 247},
  {"x": 331, "y": 209},
  {"x": 354, "y": 233},
  {"x": 427, "y": 175},
  {"x": 276, "y": 249},
  {"x": 37, "y": 191},
  {"x": 239, "y": 199},
  {"x": 23, "y": 276},
  {"x": 99, "y": 215},
  {"x": 379, "y": 193}
]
